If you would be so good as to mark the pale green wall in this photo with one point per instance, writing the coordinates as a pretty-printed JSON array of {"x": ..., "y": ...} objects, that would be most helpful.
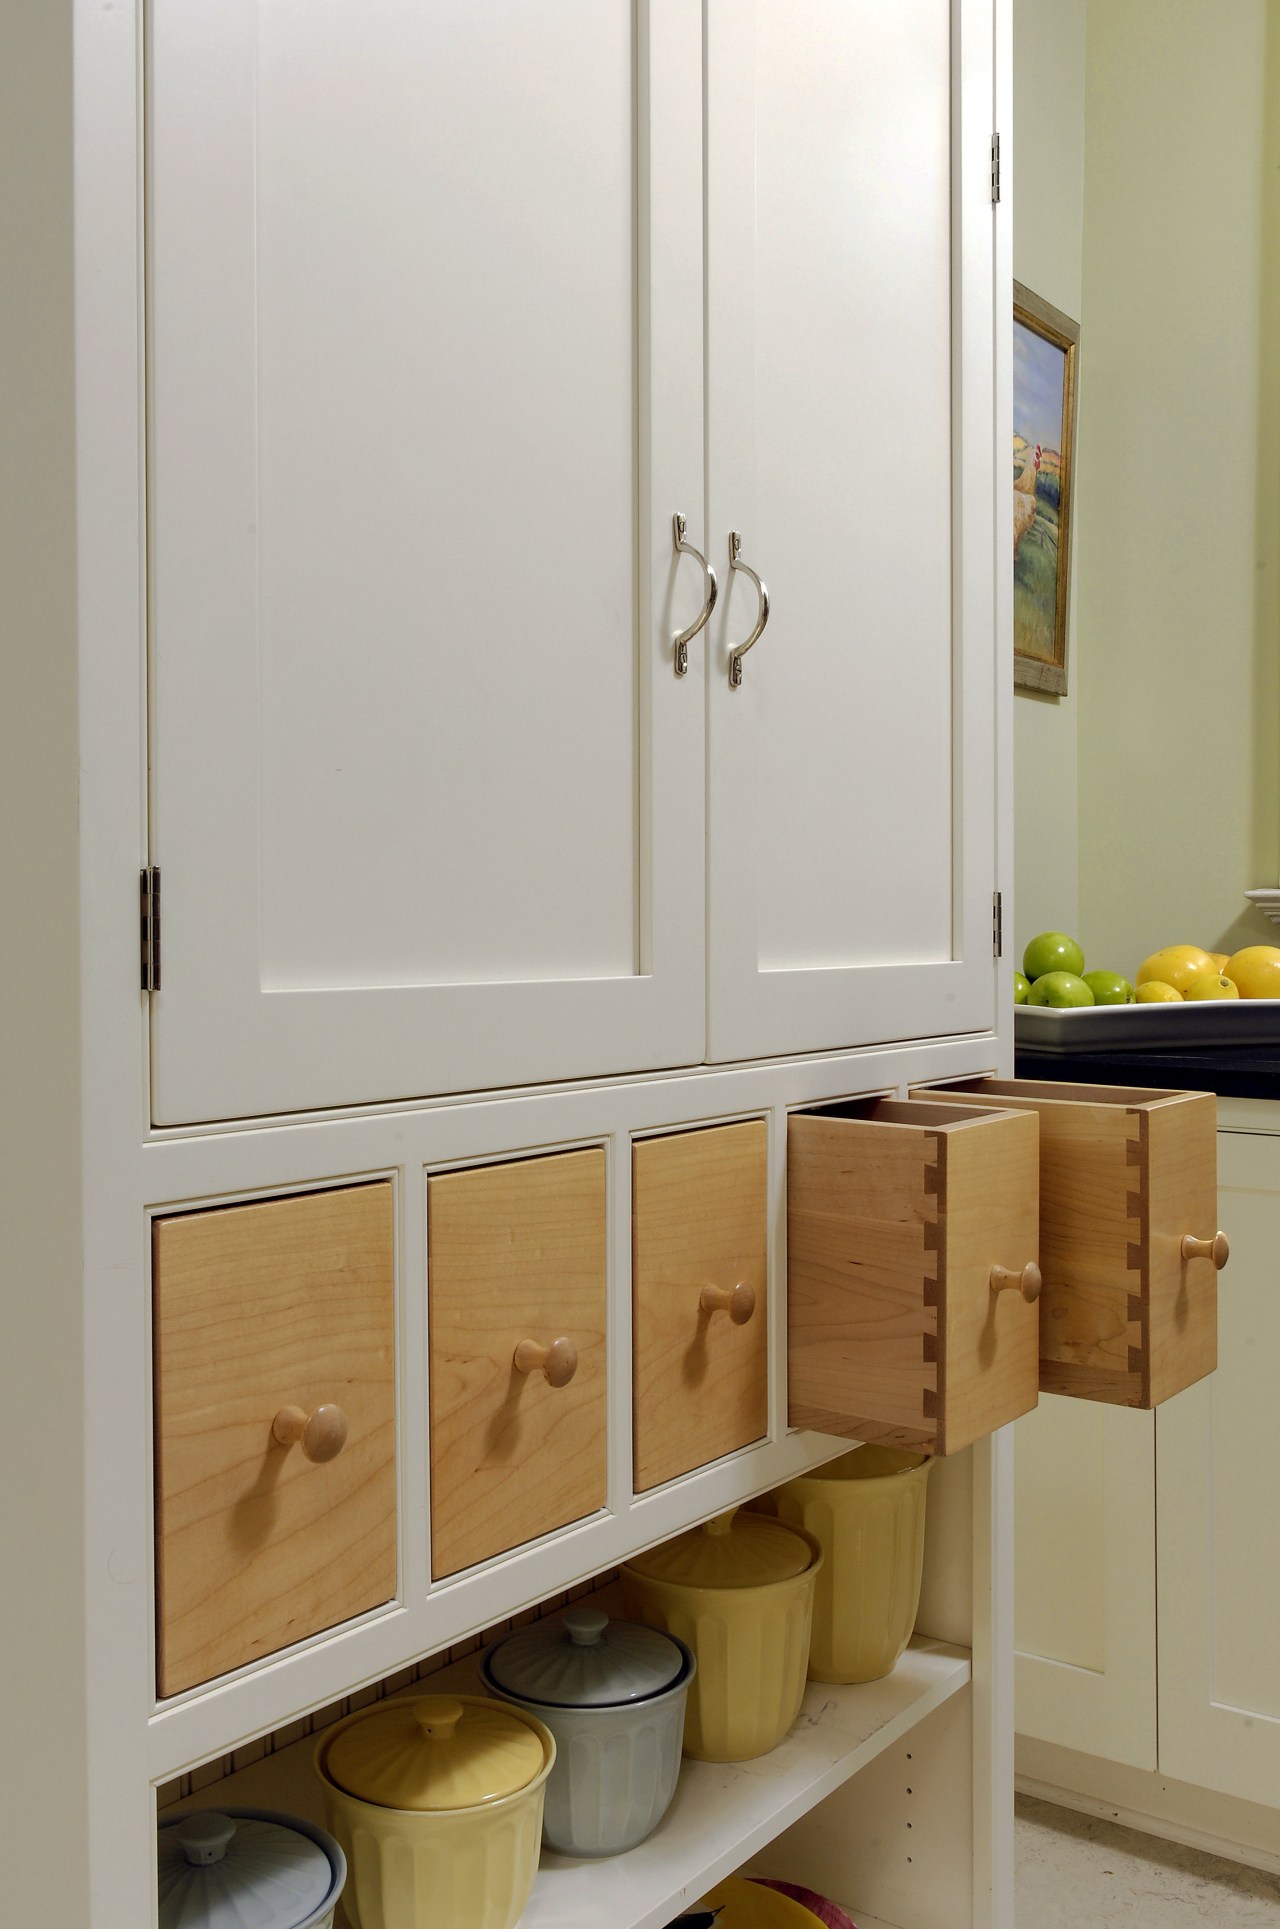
[
  {"x": 1048, "y": 214},
  {"x": 1176, "y": 614},
  {"x": 1147, "y": 205}
]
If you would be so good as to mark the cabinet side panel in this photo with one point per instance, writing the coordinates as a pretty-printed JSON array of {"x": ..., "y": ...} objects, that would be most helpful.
[{"x": 862, "y": 1273}]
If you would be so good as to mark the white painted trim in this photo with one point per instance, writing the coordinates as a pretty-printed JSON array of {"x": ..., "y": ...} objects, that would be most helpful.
[{"x": 1165, "y": 1828}]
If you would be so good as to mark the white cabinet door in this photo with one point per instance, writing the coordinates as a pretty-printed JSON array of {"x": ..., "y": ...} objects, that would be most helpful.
[
  {"x": 1219, "y": 1511},
  {"x": 1085, "y": 1594},
  {"x": 425, "y": 379},
  {"x": 851, "y": 338}
]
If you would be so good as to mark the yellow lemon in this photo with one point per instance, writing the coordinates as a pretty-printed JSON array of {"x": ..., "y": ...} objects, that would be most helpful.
[
  {"x": 1220, "y": 959},
  {"x": 1178, "y": 965},
  {"x": 1255, "y": 971},
  {"x": 1216, "y": 987},
  {"x": 1154, "y": 993}
]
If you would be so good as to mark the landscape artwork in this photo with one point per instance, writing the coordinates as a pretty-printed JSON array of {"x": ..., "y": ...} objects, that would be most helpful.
[{"x": 1045, "y": 343}]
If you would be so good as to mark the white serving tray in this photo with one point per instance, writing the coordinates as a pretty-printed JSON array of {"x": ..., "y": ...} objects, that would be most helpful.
[{"x": 1207, "y": 1021}]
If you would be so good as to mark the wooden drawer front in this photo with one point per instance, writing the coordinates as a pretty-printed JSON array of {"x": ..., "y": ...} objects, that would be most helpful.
[
  {"x": 897, "y": 1214},
  {"x": 700, "y": 1220},
  {"x": 289, "y": 1303},
  {"x": 1124, "y": 1174},
  {"x": 515, "y": 1253}
]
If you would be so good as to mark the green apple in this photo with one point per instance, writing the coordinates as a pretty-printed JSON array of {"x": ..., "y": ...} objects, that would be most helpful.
[
  {"x": 1109, "y": 988},
  {"x": 1021, "y": 986},
  {"x": 1060, "y": 988},
  {"x": 1052, "y": 951}
]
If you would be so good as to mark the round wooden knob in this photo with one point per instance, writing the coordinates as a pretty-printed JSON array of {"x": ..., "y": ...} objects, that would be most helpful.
[
  {"x": 323, "y": 1433},
  {"x": 1028, "y": 1282},
  {"x": 739, "y": 1301},
  {"x": 1218, "y": 1249},
  {"x": 559, "y": 1361}
]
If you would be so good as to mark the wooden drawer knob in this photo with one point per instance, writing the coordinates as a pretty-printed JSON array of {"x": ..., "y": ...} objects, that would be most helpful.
[
  {"x": 739, "y": 1301},
  {"x": 1027, "y": 1282},
  {"x": 323, "y": 1433},
  {"x": 1218, "y": 1249},
  {"x": 559, "y": 1361}
]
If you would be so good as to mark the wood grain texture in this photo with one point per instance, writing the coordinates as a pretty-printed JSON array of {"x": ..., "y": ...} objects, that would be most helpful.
[
  {"x": 700, "y": 1206},
  {"x": 1124, "y": 1172},
  {"x": 284, "y": 1302},
  {"x": 862, "y": 1271},
  {"x": 989, "y": 1342},
  {"x": 1182, "y": 1196},
  {"x": 515, "y": 1252}
]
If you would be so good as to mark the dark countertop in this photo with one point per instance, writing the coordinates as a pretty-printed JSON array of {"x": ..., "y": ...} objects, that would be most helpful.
[{"x": 1232, "y": 1071}]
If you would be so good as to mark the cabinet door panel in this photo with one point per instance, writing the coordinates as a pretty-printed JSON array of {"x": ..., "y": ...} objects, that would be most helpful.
[
  {"x": 849, "y": 225},
  {"x": 424, "y": 286},
  {"x": 515, "y": 1253}
]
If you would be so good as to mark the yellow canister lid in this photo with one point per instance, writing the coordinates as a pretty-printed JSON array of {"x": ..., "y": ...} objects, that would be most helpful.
[
  {"x": 434, "y": 1752},
  {"x": 868, "y": 1463},
  {"x": 733, "y": 1550}
]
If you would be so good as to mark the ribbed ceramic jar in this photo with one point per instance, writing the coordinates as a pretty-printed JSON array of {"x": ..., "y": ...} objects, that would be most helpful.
[
  {"x": 247, "y": 1868},
  {"x": 866, "y": 1511},
  {"x": 739, "y": 1591},
  {"x": 438, "y": 1860},
  {"x": 618, "y": 1725}
]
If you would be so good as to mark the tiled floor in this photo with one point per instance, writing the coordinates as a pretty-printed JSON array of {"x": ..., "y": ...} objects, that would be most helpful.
[{"x": 1074, "y": 1870}]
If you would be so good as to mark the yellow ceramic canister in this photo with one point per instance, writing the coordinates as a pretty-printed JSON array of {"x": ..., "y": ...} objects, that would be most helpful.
[
  {"x": 436, "y": 1801},
  {"x": 866, "y": 1511},
  {"x": 739, "y": 1591}
]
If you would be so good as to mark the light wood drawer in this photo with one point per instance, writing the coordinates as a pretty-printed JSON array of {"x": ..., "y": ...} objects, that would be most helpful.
[
  {"x": 1125, "y": 1175},
  {"x": 700, "y": 1265},
  {"x": 911, "y": 1239},
  {"x": 284, "y": 1304},
  {"x": 516, "y": 1258}
]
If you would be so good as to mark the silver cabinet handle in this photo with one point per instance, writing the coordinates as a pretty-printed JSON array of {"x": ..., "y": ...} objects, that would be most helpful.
[
  {"x": 685, "y": 637},
  {"x": 740, "y": 650}
]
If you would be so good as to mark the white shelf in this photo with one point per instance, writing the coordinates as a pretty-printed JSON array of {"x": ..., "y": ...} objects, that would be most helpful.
[{"x": 722, "y": 1813}]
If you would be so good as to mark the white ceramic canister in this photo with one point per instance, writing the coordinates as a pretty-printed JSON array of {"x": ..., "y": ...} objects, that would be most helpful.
[
  {"x": 235, "y": 1867},
  {"x": 437, "y": 1801},
  {"x": 614, "y": 1696}
]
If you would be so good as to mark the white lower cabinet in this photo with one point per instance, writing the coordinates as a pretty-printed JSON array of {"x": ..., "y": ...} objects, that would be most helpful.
[{"x": 1148, "y": 1558}]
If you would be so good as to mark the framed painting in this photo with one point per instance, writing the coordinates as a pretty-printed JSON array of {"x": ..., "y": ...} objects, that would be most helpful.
[{"x": 1045, "y": 344}]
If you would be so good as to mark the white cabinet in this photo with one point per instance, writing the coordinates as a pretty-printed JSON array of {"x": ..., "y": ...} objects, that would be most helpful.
[
  {"x": 1148, "y": 1558},
  {"x": 431, "y": 370}
]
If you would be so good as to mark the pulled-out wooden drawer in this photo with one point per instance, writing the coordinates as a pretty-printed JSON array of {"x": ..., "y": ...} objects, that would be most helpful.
[
  {"x": 911, "y": 1237},
  {"x": 274, "y": 1332},
  {"x": 516, "y": 1298},
  {"x": 700, "y": 1263},
  {"x": 1129, "y": 1244}
]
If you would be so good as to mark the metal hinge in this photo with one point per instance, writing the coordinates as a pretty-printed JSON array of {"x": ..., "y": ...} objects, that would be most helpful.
[
  {"x": 995, "y": 167},
  {"x": 149, "y": 926},
  {"x": 997, "y": 924}
]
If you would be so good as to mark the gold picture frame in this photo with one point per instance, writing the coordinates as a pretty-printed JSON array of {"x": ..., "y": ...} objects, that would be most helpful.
[{"x": 1045, "y": 345}]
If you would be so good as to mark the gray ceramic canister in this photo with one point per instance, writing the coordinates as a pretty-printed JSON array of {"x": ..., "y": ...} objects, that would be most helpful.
[
  {"x": 613, "y": 1694},
  {"x": 229, "y": 1869}
]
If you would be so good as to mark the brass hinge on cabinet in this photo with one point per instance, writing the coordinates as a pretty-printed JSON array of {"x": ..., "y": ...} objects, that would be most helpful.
[
  {"x": 149, "y": 926},
  {"x": 995, "y": 167},
  {"x": 997, "y": 924}
]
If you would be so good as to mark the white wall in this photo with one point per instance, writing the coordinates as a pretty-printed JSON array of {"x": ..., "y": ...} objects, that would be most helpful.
[
  {"x": 1048, "y": 219},
  {"x": 42, "y": 1794},
  {"x": 1179, "y": 521}
]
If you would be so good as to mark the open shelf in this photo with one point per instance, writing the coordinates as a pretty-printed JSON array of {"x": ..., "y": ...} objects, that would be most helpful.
[{"x": 722, "y": 1812}]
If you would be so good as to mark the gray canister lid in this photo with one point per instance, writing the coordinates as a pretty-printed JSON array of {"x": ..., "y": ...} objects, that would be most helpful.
[
  {"x": 223, "y": 1872},
  {"x": 585, "y": 1660}
]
